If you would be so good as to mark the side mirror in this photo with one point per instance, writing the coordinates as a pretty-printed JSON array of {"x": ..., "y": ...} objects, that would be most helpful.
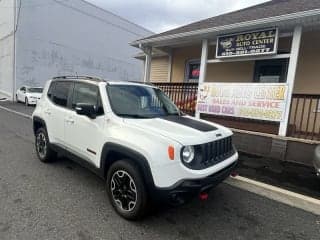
[{"x": 86, "y": 110}]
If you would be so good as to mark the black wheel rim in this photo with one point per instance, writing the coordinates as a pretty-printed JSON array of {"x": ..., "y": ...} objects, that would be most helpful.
[
  {"x": 124, "y": 191},
  {"x": 41, "y": 144}
]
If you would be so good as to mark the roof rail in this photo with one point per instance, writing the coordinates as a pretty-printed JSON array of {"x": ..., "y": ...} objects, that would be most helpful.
[
  {"x": 73, "y": 77},
  {"x": 95, "y": 79},
  {"x": 146, "y": 83}
]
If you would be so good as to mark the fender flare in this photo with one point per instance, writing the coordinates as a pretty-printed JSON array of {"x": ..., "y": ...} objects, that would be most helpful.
[
  {"x": 133, "y": 155},
  {"x": 40, "y": 120}
]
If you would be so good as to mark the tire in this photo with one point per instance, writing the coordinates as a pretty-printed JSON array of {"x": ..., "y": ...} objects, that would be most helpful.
[
  {"x": 42, "y": 145},
  {"x": 123, "y": 177},
  {"x": 17, "y": 100},
  {"x": 26, "y": 101}
]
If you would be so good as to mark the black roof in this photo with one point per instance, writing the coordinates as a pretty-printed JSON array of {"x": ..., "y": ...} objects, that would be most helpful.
[{"x": 265, "y": 10}]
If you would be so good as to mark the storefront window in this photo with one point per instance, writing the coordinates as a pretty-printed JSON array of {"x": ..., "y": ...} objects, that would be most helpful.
[
  {"x": 271, "y": 71},
  {"x": 192, "y": 70}
]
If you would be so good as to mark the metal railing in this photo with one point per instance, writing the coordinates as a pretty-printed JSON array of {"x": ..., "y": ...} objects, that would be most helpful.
[
  {"x": 184, "y": 95},
  {"x": 304, "y": 119}
]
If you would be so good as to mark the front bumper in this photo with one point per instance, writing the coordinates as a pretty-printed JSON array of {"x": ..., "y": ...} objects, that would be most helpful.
[
  {"x": 169, "y": 175},
  {"x": 188, "y": 188}
]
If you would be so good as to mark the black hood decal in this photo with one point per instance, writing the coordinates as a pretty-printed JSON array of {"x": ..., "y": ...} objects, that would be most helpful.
[{"x": 204, "y": 127}]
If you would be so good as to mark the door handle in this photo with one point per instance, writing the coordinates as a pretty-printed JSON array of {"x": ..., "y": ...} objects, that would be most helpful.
[
  {"x": 47, "y": 111},
  {"x": 70, "y": 120}
]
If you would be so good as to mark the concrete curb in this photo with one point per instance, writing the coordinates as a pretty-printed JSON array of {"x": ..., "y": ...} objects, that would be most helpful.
[
  {"x": 15, "y": 112},
  {"x": 273, "y": 136},
  {"x": 278, "y": 194}
]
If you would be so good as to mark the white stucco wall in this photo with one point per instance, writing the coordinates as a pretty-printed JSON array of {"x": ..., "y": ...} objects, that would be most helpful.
[
  {"x": 6, "y": 47},
  {"x": 71, "y": 37}
]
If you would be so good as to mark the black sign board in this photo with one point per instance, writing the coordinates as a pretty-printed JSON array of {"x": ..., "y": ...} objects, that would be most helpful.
[{"x": 258, "y": 42}]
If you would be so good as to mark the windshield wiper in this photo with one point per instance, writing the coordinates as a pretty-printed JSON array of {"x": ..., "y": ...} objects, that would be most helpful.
[
  {"x": 174, "y": 114},
  {"x": 133, "y": 115}
]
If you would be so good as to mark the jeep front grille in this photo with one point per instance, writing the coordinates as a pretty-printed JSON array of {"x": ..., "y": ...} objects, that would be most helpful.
[
  {"x": 209, "y": 154},
  {"x": 217, "y": 151}
]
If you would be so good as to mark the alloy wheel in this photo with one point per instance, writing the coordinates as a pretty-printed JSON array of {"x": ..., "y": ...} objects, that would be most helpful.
[
  {"x": 124, "y": 191},
  {"x": 41, "y": 144}
]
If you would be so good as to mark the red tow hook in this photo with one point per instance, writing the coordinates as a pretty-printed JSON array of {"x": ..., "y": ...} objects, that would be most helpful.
[
  {"x": 203, "y": 196},
  {"x": 234, "y": 174}
]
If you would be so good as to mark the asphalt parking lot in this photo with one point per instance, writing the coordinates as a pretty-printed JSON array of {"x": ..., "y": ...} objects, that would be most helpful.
[
  {"x": 65, "y": 201},
  {"x": 19, "y": 107}
]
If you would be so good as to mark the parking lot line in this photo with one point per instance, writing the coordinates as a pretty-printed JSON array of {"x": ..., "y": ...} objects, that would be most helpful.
[
  {"x": 275, "y": 193},
  {"x": 15, "y": 112}
]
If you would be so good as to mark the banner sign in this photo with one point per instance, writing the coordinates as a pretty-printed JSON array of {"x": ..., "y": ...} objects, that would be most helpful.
[
  {"x": 263, "y": 101},
  {"x": 249, "y": 43}
]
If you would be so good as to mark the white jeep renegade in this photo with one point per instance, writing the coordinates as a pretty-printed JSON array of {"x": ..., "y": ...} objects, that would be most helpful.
[{"x": 133, "y": 136}]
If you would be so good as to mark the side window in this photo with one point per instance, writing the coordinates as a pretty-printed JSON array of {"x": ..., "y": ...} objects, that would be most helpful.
[
  {"x": 271, "y": 71},
  {"x": 60, "y": 93},
  {"x": 23, "y": 89},
  {"x": 51, "y": 88},
  {"x": 87, "y": 93},
  {"x": 192, "y": 70}
]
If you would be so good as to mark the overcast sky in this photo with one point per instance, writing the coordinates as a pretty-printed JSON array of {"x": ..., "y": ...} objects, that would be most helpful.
[{"x": 162, "y": 15}]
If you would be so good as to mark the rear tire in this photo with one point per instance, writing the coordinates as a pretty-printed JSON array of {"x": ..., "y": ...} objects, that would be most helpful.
[
  {"x": 126, "y": 190},
  {"x": 43, "y": 149}
]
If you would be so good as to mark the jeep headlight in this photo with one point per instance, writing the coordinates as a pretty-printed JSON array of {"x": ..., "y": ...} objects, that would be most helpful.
[{"x": 187, "y": 154}]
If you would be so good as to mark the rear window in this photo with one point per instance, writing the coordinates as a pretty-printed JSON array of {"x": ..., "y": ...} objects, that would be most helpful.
[
  {"x": 58, "y": 93},
  {"x": 51, "y": 88}
]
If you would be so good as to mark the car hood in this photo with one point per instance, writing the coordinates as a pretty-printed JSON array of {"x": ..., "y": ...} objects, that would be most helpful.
[{"x": 183, "y": 129}]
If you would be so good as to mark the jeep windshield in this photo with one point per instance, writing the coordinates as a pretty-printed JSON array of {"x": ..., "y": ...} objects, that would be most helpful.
[{"x": 134, "y": 101}]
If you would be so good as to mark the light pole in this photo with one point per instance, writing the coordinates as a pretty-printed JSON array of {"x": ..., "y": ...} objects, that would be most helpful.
[{"x": 14, "y": 49}]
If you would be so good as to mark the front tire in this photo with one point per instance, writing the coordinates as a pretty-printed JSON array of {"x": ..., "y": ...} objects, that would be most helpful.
[
  {"x": 26, "y": 101},
  {"x": 43, "y": 149},
  {"x": 126, "y": 190}
]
